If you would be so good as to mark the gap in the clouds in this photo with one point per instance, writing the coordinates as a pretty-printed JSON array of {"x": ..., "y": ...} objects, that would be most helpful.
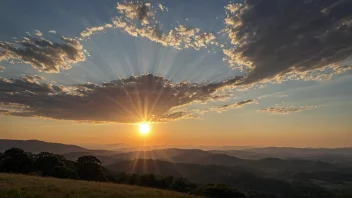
[{"x": 115, "y": 55}]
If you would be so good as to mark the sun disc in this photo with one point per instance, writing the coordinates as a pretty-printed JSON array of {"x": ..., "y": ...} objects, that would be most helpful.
[{"x": 144, "y": 128}]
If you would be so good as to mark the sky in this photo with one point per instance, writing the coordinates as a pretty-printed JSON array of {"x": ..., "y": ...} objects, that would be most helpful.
[{"x": 200, "y": 72}]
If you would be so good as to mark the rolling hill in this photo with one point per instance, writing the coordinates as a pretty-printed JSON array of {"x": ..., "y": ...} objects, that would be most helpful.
[
  {"x": 333, "y": 155},
  {"x": 36, "y": 146},
  {"x": 190, "y": 156}
]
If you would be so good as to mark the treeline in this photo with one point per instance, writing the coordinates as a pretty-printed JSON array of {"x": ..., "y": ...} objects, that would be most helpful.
[
  {"x": 15, "y": 160},
  {"x": 89, "y": 168}
]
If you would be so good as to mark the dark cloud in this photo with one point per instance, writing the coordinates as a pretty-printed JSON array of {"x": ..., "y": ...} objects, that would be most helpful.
[
  {"x": 273, "y": 38},
  {"x": 43, "y": 54},
  {"x": 286, "y": 110},
  {"x": 133, "y": 99}
]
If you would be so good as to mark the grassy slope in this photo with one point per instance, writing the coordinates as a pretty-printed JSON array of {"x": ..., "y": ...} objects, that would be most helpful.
[{"x": 23, "y": 186}]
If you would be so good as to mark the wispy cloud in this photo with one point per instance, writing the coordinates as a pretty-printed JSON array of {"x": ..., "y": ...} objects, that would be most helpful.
[
  {"x": 138, "y": 19},
  {"x": 233, "y": 105},
  {"x": 92, "y": 30},
  {"x": 188, "y": 112},
  {"x": 286, "y": 110}
]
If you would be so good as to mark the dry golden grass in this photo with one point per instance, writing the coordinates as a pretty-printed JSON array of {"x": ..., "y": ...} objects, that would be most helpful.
[{"x": 23, "y": 186}]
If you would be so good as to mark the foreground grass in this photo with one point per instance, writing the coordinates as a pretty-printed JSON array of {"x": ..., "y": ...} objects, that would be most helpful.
[{"x": 22, "y": 186}]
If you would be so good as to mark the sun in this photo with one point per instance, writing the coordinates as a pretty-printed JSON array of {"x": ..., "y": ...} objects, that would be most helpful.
[{"x": 144, "y": 128}]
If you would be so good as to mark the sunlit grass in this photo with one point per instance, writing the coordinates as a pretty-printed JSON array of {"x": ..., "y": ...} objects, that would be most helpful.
[{"x": 23, "y": 186}]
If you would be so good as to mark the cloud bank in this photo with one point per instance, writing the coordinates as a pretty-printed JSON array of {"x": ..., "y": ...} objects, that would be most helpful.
[
  {"x": 42, "y": 54},
  {"x": 129, "y": 100},
  {"x": 273, "y": 38}
]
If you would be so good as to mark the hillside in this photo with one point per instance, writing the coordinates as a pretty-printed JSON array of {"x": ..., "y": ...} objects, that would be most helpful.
[
  {"x": 13, "y": 186},
  {"x": 332, "y": 155},
  {"x": 36, "y": 146},
  {"x": 190, "y": 156}
]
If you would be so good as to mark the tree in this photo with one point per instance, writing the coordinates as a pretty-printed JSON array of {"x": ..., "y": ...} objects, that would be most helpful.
[
  {"x": 88, "y": 160},
  {"x": 179, "y": 185},
  {"x": 17, "y": 161},
  {"x": 89, "y": 168},
  {"x": 64, "y": 173},
  {"x": 45, "y": 162},
  {"x": 218, "y": 191}
]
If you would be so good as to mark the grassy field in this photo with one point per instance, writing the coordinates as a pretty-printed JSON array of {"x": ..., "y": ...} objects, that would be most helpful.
[{"x": 22, "y": 186}]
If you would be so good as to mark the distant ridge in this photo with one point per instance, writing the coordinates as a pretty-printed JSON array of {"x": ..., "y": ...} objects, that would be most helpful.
[{"x": 36, "y": 146}]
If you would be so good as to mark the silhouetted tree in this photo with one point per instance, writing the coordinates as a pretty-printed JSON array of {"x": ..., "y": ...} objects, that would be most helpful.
[
  {"x": 88, "y": 160},
  {"x": 64, "y": 172},
  {"x": 179, "y": 185},
  {"x": 89, "y": 168},
  {"x": 17, "y": 161},
  {"x": 218, "y": 191},
  {"x": 46, "y": 162}
]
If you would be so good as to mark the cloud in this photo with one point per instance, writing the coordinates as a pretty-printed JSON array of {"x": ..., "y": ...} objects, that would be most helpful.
[
  {"x": 90, "y": 31},
  {"x": 128, "y": 100},
  {"x": 38, "y": 33},
  {"x": 139, "y": 20},
  {"x": 42, "y": 54},
  {"x": 233, "y": 105},
  {"x": 179, "y": 115},
  {"x": 146, "y": 26},
  {"x": 180, "y": 37},
  {"x": 163, "y": 8},
  {"x": 136, "y": 10},
  {"x": 189, "y": 111},
  {"x": 286, "y": 110},
  {"x": 271, "y": 39}
]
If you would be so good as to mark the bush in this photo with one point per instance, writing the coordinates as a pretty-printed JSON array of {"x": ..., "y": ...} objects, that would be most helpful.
[
  {"x": 64, "y": 173},
  {"x": 218, "y": 191}
]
